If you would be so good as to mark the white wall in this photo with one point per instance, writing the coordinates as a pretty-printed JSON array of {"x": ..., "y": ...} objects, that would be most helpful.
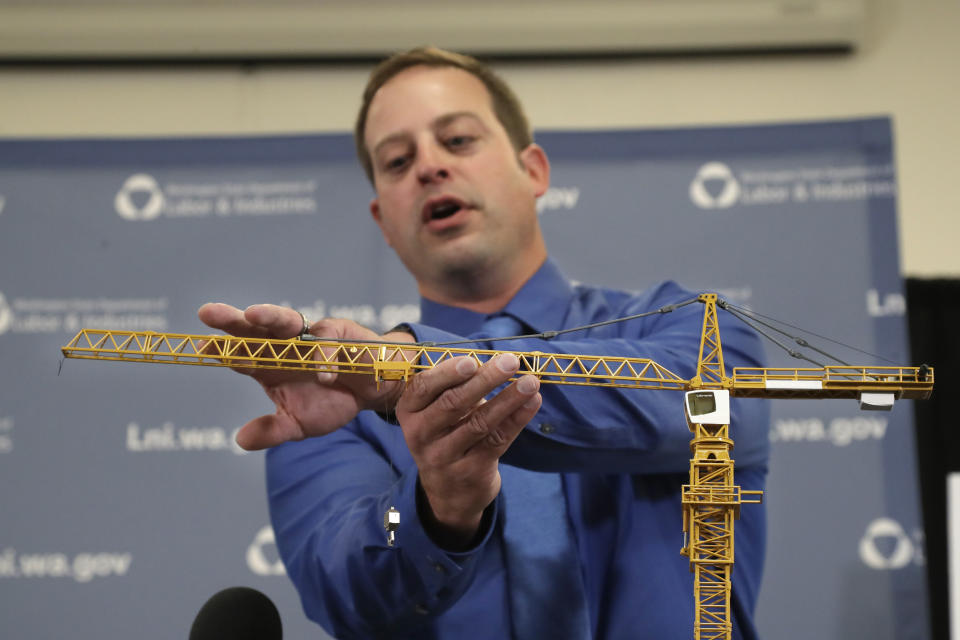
[{"x": 908, "y": 68}]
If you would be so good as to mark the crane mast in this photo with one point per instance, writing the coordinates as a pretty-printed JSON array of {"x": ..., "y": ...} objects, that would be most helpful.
[{"x": 711, "y": 500}]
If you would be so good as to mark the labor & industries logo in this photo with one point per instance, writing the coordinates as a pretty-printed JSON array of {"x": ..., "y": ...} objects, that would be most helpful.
[
  {"x": 262, "y": 556},
  {"x": 140, "y": 198},
  {"x": 885, "y": 545},
  {"x": 714, "y": 187}
]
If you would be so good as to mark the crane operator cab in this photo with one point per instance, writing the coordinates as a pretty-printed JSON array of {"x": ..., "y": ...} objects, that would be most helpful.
[{"x": 710, "y": 406}]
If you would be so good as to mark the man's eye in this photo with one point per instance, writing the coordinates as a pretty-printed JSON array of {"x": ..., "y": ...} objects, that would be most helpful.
[
  {"x": 393, "y": 164},
  {"x": 459, "y": 141}
]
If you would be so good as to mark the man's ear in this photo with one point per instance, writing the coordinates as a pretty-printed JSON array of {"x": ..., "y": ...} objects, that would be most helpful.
[
  {"x": 537, "y": 166},
  {"x": 375, "y": 212}
]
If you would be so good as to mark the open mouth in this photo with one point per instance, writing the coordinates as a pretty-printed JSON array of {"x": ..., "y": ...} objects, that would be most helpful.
[{"x": 443, "y": 209}]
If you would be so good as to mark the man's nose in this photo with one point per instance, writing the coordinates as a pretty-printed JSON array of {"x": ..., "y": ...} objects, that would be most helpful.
[{"x": 431, "y": 164}]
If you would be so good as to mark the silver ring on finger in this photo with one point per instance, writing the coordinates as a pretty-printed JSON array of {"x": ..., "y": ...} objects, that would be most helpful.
[{"x": 306, "y": 324}]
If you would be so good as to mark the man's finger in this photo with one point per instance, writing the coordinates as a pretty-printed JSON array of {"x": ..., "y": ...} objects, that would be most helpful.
[
  {"x": 501, "y": 437},
  {"x": 230, "y": 320},
  {"x": 268, "y": 431},
  {"x": 445, "y": 393},
  {"x": 496, "y": 423},
  {"x": 279, "y": 322},
  {"x": 424, "y": 387}
]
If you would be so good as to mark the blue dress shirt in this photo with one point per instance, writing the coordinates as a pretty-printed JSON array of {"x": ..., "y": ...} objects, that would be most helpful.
[{"x": 622, "y": 456}]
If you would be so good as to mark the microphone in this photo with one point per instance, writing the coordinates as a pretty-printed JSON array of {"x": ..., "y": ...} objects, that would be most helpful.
[{"x": 237, "y": 613}]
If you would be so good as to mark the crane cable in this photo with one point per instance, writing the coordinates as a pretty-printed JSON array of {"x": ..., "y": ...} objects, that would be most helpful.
[
  {"x": 800, "y": 341},
  {"x": 747, "y": 316},
  {"x": 547, "y": 335}
]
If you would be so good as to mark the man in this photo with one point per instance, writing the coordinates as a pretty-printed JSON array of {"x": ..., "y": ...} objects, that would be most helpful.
[{"x": 576, "y": 533}]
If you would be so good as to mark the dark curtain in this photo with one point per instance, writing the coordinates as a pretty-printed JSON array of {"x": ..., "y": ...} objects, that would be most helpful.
[{"x": 932, "y": 309}]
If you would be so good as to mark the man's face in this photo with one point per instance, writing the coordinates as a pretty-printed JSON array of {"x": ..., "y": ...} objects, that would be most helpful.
[{"x": 454, "y": 198}]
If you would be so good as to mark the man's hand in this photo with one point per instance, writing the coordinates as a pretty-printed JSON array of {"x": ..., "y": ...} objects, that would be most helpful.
[
  {"x": 456, "y": 438},
  {"x": 308, "y": 404}
]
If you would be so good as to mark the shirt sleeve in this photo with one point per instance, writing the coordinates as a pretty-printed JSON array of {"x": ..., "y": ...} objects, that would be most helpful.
[
  {"x": 327, "y": 499},
  {"x": 619, "y": 430}
]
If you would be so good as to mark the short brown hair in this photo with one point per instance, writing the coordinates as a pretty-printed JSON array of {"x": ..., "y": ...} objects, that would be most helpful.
[{"x": 505, "y": 104}]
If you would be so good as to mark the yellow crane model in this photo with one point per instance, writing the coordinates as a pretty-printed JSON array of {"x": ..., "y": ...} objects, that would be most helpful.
[{"x": 711, "y": 501}]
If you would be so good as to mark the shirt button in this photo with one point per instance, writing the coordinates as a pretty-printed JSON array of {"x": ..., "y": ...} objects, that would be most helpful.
[
  {"x": 546, "y": 427},
  {"x": 439, "y": 568}
]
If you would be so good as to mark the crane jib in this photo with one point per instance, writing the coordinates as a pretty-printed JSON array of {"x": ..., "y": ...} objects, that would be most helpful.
[{"x": 400, "y": 361}]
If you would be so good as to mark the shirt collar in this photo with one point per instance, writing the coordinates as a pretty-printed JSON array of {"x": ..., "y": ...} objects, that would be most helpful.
[{"x": 541, "y": 303}]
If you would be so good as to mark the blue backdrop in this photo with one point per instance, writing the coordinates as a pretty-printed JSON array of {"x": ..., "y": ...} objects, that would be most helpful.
[{"x": 125, "y": 504}]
